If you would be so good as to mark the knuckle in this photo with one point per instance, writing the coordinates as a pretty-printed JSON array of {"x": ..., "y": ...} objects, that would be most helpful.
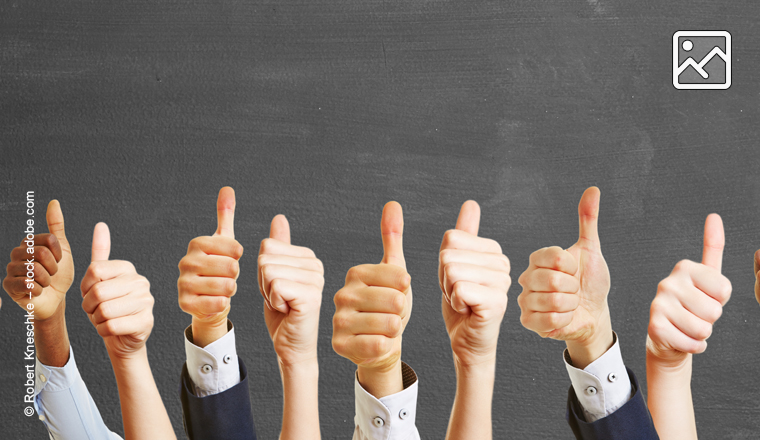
[
  {"x": 379, "y": 346},
  {"x": 703, "y": 331},
  {"x": 266, "y": 245},
  {"x": 394, "y": 325},
  {"x": 354, "y": 273},
  {"x": 554, "y": 280},
  {"x": 683, "y": 266},
  {"x": 398, "y": 303},
  {"x": 495, "y": 245},
  {"x": 449, "y": 238}
]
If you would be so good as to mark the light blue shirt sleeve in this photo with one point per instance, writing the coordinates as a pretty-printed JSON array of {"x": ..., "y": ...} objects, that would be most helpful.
[{"x": 65, "y": 406}]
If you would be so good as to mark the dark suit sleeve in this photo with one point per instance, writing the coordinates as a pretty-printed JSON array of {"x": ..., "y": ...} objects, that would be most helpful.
[
  {"x": 629, "y": 422},
  {"x": 223, "y": 416}
]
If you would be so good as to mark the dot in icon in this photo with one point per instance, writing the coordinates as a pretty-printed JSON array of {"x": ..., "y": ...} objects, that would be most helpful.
[{"x": 687, "y": 45}]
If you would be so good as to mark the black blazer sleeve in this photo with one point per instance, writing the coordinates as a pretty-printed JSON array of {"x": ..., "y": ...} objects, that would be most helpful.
[
  {"x": 629, "y": 422},
  {"x": 223, "y": 416}
]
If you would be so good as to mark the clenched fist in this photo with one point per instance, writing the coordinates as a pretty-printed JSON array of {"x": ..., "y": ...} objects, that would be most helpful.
[
  {"x": 291, "y": 279},
  {"x": 372, "y": 309},
  {"x": 565, "y": 291},
  {"x": 208, "y": 274},
  {"x": 52, "y": 265},
  {"x": 689, "y": 301},
  {"x": 116, "y": 299},
  {"x": 474, "y": 278}
]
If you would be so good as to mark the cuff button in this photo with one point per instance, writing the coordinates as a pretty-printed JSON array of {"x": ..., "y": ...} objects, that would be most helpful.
[
  {"x": 612, "y": 377},
  {"x": 403, "y": 414},
  {"x": 378, "y": 422},
  {"x": 206, "y": 368},
  {"x": 227, "y": 358},
  {"x": 591, "y": 391}
]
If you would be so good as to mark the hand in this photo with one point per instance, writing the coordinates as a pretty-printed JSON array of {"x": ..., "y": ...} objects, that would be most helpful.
[
  {"x": 116, "y": 299},
  {"x": 208, "y": 274},
  {"x": 689, "y": 301},
  {"x": 52, "y": 265},
  {"x": 565, "y": 291},
  {"x": 373, "y": 308},
  {"x": 474, "y": 278},
  {"x": 291, "y": 279}
]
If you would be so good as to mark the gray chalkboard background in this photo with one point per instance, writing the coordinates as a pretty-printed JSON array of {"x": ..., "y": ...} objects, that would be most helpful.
[{"x": 136, "y": 113}]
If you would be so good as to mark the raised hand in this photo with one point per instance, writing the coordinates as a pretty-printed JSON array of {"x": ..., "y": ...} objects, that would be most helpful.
[
  {"x": 291, "y": 279},
  {"x": 474, "y": 277},
  {"x": 52, "y": 265},
  {"x": 565, "y": 291},
  {"x": 372, "y": 310},
  {"x": 689, "y": 301},
  {"x": 208, "y": 274},
  {"x": 116, "y": 299}
]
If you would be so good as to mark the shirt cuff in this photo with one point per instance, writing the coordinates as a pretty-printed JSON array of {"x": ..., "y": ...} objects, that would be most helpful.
[
  {"x": 213, "y": 368},
  {"x": 603, "y": 386},
  {"x": 391, "y": 417},
  {"x": 54, "y": 379}
]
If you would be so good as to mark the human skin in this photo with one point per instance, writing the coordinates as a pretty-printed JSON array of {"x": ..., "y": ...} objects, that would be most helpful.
[
  {"x": 372, "y": 310},
  {"x": 473, "y": 274},
  {"x": 208, "y": 275},
  {"x": 565, "y": 292},
  {"x": 291, "y": 279},
  {"x": 118, "y": 302},
  {"x": 688, "y": 302},
  {"x": 53, "y": 276}
]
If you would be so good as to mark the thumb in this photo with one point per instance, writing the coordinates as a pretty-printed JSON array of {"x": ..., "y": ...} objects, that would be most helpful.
[
  {"x": 757, "y": 261},
  {"x": 280, "y": 229},
  {"x": 469, "y": 217},
  {"x": 588, "y": 213},
  {"x": 225, "y": 212},
  {"x": 55, "y": 220},
  {"x": 392, "y": 228},
  {"x": 101, "y": 242},
  {"x": 715, "y": 240}
]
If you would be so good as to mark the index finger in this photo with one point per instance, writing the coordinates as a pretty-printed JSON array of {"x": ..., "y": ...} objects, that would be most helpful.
[{"x": 555, "y": 258}]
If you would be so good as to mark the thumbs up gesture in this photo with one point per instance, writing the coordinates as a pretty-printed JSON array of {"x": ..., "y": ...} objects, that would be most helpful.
[
  {"x": 474, "y": 277},
  {"x": 291, "y": 279},
  {"x": 689, "y": 301},
  {"x": 208, "y": 274},
  {"x": 372, "y": 309},
  {"x": 565, "y": 291},
  {"x": 51, "y": 264},
  {"x": 116, "y": 299}
]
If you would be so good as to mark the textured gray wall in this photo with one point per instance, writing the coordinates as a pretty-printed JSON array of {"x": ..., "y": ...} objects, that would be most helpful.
[{"x": 137, "y": 112}]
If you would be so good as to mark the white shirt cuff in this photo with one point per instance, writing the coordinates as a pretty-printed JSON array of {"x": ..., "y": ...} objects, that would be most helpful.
[
  {"x": 213, "y": 368},
  {"x": 603, "y": 386},
  {"x": 391, "y": 417}
]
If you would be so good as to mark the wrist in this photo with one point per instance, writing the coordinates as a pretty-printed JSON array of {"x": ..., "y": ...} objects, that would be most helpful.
[
  {"x": 127, "y": 359},
  {"x": 482, "y": 370},
  {"x": 584, "y": 352},
  {"x": 667, "y": 361},
  {"x": 306, "y": 368},
  {"x": 381, "y": 382},
  {"x": 51, "y": 339},
  {"x": 206, "y": 332}
]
